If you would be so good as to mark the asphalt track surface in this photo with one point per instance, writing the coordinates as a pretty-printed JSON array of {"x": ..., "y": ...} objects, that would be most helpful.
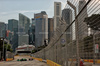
[{"x": 22, "y": 63}]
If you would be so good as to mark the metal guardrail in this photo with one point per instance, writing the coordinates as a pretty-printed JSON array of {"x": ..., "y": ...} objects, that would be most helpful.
[
  {"x": 51, "y": 63},
  {"x": 39, "y": 59},
  {"x": 9, "y": 59}
]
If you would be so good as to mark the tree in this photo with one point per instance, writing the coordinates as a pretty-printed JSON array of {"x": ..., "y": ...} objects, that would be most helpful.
[
  {"x": 8, "y": 46},
  {"x": 1, "y": 45},
  {"x": 93, "y": 21},
  {"x": 88, "y": 43}
]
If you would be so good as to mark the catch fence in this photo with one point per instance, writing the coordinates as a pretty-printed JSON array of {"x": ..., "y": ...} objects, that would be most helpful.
[{"x": 77, "y": 40}]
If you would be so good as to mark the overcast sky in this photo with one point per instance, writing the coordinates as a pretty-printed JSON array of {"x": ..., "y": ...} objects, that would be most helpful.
[{"x": 9, "y": 9}]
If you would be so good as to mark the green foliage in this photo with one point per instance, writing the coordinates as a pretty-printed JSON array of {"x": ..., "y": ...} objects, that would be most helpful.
[
  {"x": 88, "y": 43},
  {"x": 38, "y": 49},
  {"x": 1, "y": 44},
  {"x": 34, "y": 51},
  {"x": 11, "y": 50},
  {"x": 93, "y": 21},
  {"x": 88, "y": 20},
  {"x": 63, "y": 45},
  {"x": 41, "y": 47},
  {"x": 8, "y": 46},
  {"x": 88, "y": 38}
]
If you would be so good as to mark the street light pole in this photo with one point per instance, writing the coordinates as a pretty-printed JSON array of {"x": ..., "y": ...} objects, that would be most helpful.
[
  {"x": 94, "y": 46},
  {"x": 3, "y": 48},
  {"x": 6, "y": 49},
  {"x": 76, "y": 31}
]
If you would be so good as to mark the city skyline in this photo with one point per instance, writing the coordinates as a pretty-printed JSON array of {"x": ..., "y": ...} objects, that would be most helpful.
[
  {"x": 52, "y": 32},
  {"x": 11, "y": 12}
]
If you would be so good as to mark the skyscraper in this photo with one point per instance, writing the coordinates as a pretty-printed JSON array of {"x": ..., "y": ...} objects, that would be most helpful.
[
  {"x": 2, "y": 29},
  {"x": 50, "y": 28},
  {"x": 67, "y": 17},
  {"x": 32, "y": 32},
  {"x": 12, "y": 24},
  {"x": 57, "y": 14},
  {"x": 23, "y": 30},
  {"x": 82, "y": 26},
  {"x": 13, "y": 35},
  {"x": 14, "y": 42},
  {"x": 6, "y": 26},
  {"x": 12, "y": 27},
  {"x": 24, "y": 23},
  {"x": 41, "y": 28}
]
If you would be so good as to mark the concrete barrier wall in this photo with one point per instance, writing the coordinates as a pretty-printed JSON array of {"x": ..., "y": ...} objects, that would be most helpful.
[
  {"x": 0, "y": 54},
  {"x": 9, "y": 56},
  {"x": 9, "y": 59},
  {"x": 51, "y": 63}
]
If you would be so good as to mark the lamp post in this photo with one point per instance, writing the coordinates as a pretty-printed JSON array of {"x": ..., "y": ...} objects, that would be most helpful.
[
  {"x": 76, "y": 31},
  {"x": 94, "y": 47},
  {"x": 3, "y": 48},
  {"x": 6, "y": 49},
  {"x": 94, "y": 43}
]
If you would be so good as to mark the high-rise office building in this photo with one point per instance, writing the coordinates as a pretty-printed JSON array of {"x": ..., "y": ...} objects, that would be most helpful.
[
  {"x": 6, "y": 26},
  {"x": 57, "y": 14},
  {"x": 24, "y": 23},
  {"x": 14, "y": 42},
  {"x": 82, "y": 26},
  {"x": 13, "y": 34},
  {"x": 12, "y": 27},
  {"x": 12, "y": 24},
  {"x": 23, "y": 30},
  {"x": 67, "y": 17},
  {"x": 2, "y": 29},
  {"x": 50, "y": 28},
  {"x": 32, "y": 33},
  {"x": 41, "y": 28}
]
